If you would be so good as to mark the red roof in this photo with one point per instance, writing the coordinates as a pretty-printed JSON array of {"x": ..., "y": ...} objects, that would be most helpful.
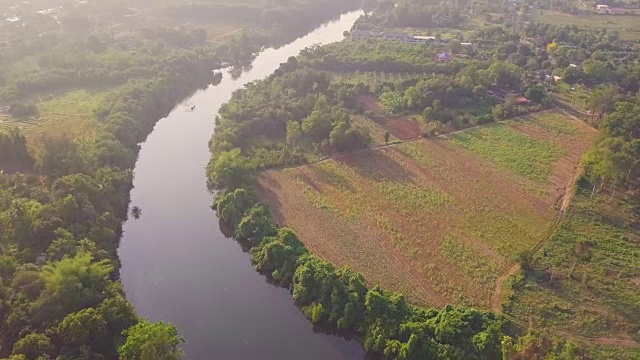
[{"x": 522, "y": 100}]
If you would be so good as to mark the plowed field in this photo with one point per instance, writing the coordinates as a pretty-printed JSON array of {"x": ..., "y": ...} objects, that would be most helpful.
[{"x": 434, "y": 219}]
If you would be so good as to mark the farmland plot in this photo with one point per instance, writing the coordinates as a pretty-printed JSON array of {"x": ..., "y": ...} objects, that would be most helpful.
[{"x": 434, "y": 219}]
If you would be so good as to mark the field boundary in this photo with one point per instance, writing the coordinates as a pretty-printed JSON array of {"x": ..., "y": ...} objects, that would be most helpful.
[{"x": 564, "y": 201}]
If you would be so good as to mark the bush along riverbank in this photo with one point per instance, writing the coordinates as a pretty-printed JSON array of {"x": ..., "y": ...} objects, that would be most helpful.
[
  {"x": 61, "y": 229},
  {"x": 295, "y": 116},
  {"x": 384, "y": 322},
  {"x": 61, "y": 218}
]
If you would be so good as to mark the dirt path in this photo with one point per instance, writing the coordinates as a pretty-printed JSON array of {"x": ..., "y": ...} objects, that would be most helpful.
[{"x": 565, "y": 201}]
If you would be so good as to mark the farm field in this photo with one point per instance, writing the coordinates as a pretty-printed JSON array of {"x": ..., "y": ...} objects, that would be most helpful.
[
  {"x": 400, "y": 127},
  {"x": 595, "y": 288},
  {"x": 70, "y": 114},
  {"x": 437, "y": 220},
  {"x": 627, "y": 25}
]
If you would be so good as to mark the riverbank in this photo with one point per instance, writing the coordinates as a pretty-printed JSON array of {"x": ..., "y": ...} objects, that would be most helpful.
[
  {"x": 70, "y": 217},
  {"x": 177, "y": 247}
]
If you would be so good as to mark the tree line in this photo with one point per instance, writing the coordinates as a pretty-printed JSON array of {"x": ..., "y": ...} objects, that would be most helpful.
[{"x": 61, "y": 218}]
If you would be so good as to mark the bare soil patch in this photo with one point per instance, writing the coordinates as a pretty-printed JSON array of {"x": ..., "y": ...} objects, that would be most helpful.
[
  {"x": 426, "y": 218},
  {"x": 401, "y": 127}
]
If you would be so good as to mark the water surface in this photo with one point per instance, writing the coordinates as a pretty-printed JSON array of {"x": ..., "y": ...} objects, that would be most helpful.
[{"x": 177, "y": 266}]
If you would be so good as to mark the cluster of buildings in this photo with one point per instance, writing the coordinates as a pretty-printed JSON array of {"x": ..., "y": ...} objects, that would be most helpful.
[
  {"x": 610, "y": 10},
  {"x": 399, "y": 36},
  {"x": 392, "y": 35}
]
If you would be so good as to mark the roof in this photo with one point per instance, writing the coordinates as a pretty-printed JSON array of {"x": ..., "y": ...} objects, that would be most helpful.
[
  {"x": 424, "y": 37},
  {"x": 445, "y": 55},
  {"x": 465, "y": 44},
  {"x": 521, "y": 100}
]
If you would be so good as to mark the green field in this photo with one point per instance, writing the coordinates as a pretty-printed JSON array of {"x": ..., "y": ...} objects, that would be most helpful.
[
  {"x": 586, "y": 281},
  {"x": 68, "y": 114},
  {"x": 438, "y": 219},
  {"x": 524, "y": 155},
  {"x": 628, "y": 26}
]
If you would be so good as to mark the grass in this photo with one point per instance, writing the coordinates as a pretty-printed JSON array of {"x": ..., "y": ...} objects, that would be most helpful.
[
  {"x": 71, "y": 114},
  {"x": 480, "y": 269},
  {"x": 594, "y": 258},
  {"x": 524, "y": 155},
  {"x": 627, "y": 26},
  {"x": 428, "y": 218},
  {"x": 410, "y": 199}
]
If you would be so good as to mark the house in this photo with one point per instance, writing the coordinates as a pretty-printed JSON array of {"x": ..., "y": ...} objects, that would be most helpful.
[
  {"x": 573, "y": 66},
  {"x": 391, "y": 35},
  {"x": 362, "y": 34},
  {"x": 521, "y": 100},
  {"x": 423, "y": 39},
  {"x": 445, "y": 57},
  {"x": 602, "y": 7}
]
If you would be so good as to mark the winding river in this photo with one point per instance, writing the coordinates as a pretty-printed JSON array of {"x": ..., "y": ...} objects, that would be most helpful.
[{"x": 177, "y": 266}]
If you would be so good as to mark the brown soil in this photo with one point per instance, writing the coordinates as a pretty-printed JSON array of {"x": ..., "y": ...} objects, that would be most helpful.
[
  {"x": 340, "y": 214},
  {"x": 370, "y": 103},
  {"x": 401, "y": 127}
]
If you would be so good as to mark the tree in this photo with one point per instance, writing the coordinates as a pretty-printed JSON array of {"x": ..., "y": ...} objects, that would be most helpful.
[
  {"x": 317, "y": 126},
  {"x": 151, "y": 341},
  {"x": 455, "y": 47},
  {"x": 255, "y": 225},
  {"x": 33, "y": 346},
  {"x": 84, "y": 330},
  {"x": 73, "y": 283},
  {"x": 536, "y": 93},
  {"x": 510, "y": 104},
  {"x": 118, "y": 313},
  {"x": 393, "y": 102},
  {"x": 19, "y": 110},
  {"x": 603, "y": 100},
  {"x": 386, "y": 137},
  {"x": 428, "y": 114},
  {"x": 571, "y": 75},
  {"x": 597, "y": 71},
  {"x": 294, "y": 132},
  {"x": 505, "y": 74},
  {"x": 499, "y": 112},
  {"x": 552, "y": 47},
  {"x": 229, "y": 170}
]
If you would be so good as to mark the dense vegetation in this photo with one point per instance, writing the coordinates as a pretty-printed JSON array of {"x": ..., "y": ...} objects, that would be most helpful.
[
  {"x": 592, "y": 258},
  {"x": 340, "y": 298},
  {"x": 63, "y": 199},
  {"x": 289, "y": 119}
]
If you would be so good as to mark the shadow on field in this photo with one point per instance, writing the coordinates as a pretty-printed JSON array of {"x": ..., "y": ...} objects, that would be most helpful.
[
  {"x": 331, "y": 178},
  {"x": 267, "y": 190},
  {"x": 378, "y": 166}
]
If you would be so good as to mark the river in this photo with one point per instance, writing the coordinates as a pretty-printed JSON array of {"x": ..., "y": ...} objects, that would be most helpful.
[{"x": 177, "y": 266}]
